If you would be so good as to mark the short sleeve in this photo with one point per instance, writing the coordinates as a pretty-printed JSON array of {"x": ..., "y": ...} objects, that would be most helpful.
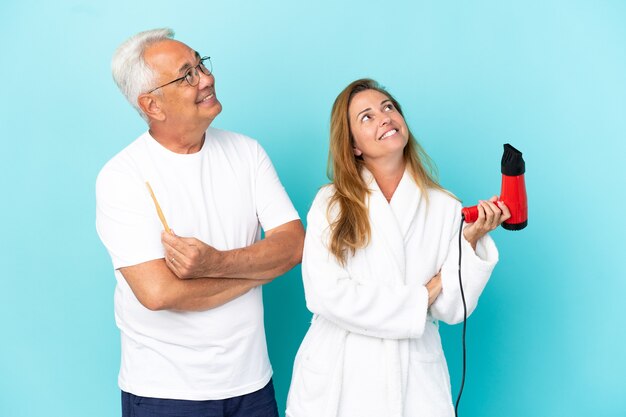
[
  {"x": 274, "y": 207},
  {"x": 126, "y": 221}
]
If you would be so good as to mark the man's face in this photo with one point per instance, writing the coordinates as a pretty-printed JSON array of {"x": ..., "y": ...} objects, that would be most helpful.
[{"x": 181, "y": 103}]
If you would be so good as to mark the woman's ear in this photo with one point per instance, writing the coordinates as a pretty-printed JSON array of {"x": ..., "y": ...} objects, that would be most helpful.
[
  {"x": 356, "y": 151},
  {"x": 151, "y": 107}
]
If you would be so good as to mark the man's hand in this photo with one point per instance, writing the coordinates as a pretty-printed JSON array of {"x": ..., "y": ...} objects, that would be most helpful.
[
  {"x": 189, "y": 257},
  {"x": 266, "y": 259}
]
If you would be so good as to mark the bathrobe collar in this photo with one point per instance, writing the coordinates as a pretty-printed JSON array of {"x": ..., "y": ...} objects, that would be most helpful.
[
  {"x": 391, "y": 223},
  {"x": 393, "y": 220}
]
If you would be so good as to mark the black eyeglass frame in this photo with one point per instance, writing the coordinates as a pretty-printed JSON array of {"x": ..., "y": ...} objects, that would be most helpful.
[{"x": 201, "y": 67}]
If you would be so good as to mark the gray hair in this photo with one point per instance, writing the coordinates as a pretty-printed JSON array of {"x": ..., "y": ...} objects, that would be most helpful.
[{"x": 130, "y": 72}]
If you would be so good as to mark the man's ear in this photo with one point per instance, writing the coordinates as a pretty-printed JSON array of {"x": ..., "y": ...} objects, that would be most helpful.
[{"x": 151, "y": 107}]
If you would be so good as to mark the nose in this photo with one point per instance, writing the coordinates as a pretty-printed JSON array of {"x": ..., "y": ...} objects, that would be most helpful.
[
  {"x": 385, "y": 121},
  {"x": 205, "y": 80}
]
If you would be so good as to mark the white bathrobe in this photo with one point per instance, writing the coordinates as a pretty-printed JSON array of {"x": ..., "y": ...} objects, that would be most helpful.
[{"x": 373, "y": 348}]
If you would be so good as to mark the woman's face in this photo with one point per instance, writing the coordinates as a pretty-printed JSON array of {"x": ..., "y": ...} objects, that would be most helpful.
[{"x": 378, "y": 128}]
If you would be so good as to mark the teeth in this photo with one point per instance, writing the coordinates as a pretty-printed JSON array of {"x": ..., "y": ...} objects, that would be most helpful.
[
  {"x": 210, "y": 96},
  {"x": 386, "y": 135}
]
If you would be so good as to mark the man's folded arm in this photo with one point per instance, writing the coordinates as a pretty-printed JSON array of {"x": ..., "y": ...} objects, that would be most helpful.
[
  {"x": 266, "y": 259},
  {"x": 157, "y": 288}
]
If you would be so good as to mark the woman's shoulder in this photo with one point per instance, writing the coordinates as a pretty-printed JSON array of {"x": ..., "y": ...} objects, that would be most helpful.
[
  {"x": 323, "y": 198},
  {"x": 324, "y": 194},
  {"x": 443, "y": 199},
  {"x": 322, "y": 201}
]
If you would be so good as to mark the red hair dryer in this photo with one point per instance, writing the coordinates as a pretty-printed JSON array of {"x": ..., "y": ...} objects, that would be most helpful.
[
  {"x": 513, "y": 191},
  {"x": 513, "y": 194}
]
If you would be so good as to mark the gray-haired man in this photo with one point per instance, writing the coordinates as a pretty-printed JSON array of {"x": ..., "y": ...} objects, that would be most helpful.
[{"x": 190, "y": 308}]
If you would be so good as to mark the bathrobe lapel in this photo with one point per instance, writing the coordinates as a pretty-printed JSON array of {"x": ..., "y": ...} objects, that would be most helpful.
[
  {"x": 390, "y": 223},
  {"x": 405, "y": 204},
  {"x": 386, "y": 233}
]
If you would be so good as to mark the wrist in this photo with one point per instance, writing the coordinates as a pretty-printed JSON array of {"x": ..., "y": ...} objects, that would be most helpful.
[
  {"x": 471, "y": 238},
  {"x": 220, "y": 267}
]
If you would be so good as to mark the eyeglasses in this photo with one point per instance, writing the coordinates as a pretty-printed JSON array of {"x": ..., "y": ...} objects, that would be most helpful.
[{"x": 192, "y": 76}]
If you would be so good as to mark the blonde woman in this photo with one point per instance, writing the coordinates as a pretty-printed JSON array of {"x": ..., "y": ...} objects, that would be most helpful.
[{"x": 380, "y": 270}]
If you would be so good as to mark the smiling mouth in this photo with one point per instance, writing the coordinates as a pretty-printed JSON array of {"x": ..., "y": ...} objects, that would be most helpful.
[
  {"x": 207, "y": 98},
  {"x": 390, "y": 133}
]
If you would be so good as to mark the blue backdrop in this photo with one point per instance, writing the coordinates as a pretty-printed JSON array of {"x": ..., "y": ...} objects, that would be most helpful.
[{"x": 547, "y": 76}]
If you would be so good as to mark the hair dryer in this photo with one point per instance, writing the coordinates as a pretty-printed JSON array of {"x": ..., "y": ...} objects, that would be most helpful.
[
  {"x": 513, "y": 194},
  {"x": 513, "y": 191}
]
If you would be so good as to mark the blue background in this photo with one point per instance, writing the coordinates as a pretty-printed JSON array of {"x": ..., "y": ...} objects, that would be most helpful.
[{"x": 547, "y": 76}]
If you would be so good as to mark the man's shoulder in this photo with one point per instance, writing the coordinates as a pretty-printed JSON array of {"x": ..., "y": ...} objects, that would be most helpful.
[
  {"x": 233, "y": 146},
  {"x": 124, "y": 162}
]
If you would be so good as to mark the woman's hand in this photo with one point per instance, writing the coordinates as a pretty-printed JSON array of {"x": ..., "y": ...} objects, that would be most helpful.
[
  {"x": 491, "y": 214},
  {"x": 434, "y": 288}
]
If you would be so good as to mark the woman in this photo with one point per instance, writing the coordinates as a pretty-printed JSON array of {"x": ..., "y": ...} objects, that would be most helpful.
[{"x": 380, "y": 269}]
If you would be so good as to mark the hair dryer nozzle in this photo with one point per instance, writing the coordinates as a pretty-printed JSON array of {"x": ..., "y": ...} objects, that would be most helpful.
[{"x": 512, "y": 162}]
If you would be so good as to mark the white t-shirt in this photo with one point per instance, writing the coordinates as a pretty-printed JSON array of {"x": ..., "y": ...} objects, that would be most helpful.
[{"x": 223, "y": 195}]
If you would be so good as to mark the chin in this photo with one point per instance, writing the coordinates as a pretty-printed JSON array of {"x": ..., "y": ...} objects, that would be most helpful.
[{"x": 212, "y": 111}]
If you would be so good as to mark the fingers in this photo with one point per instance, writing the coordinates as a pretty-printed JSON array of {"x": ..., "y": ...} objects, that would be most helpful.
[
  {"x": 491, "y": 214},
  {"x": 434, "y": 288},
  {"x": 190, "y": 257},
  {"x": 176, "y": 242},
  {"x": 506, "y": 213},
  {"x": 178, "y": 264},
  {"x": 177, "y": 253},
  {"x": 171, "y": 251},
  {"x": 170, "y": 261},
  {"x": 187, "y": 247}
]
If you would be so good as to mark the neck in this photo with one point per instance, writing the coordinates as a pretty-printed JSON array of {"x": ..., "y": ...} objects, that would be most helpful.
[
  {"x": 387, "y": 176},
  {"x": 177, "y": 141}
]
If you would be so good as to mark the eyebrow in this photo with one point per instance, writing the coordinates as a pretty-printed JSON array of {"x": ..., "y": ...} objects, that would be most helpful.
[
  {"x": 369, "y": 108},
  {"x": 362, "y": 111},
  {"x": 187, "y": 65}
]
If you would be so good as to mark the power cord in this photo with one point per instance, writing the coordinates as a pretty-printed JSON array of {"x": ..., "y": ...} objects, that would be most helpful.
[{"x": 458, "y": 399}]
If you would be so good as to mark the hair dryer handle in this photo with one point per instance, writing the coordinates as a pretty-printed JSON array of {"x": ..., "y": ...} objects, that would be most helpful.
[{"x": 470, "y": 214}]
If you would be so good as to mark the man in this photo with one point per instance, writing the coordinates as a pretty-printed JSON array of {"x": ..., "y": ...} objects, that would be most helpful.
[{"x": 189, "y": 308}]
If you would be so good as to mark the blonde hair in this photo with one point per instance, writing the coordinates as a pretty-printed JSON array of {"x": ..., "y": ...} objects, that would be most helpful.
[{"x": 350, "y": 229}]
